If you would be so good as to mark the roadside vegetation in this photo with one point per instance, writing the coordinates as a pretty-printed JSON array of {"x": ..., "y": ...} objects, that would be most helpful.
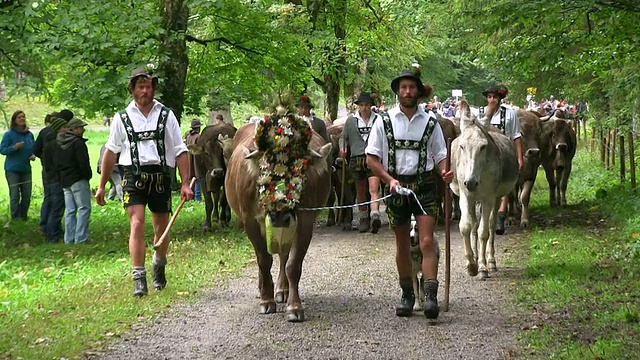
[
  {"x": 580, "y": 288},
  {"x": 56, "y": 301}
]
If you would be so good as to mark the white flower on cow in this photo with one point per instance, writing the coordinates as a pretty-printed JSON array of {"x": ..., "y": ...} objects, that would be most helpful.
[
  {"x": 264, "y": 179},
  {"x": 280, "y": 169},
  {"x": 296, "y": 181},
  {"x": 279, "y": 195},
  {"x": 282, "y": 157},
  {"x": 283, "y": 141}
]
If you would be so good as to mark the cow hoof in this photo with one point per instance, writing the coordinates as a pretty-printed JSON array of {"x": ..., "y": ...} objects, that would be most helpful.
[
  {"x": 472, "y": 269},
  {"x": 268, "y": 308},
  {"x": 483, "y": 275},
  {"x": 295, "y": 315},
  {"x": 282, "y": 297},
  {"x": 492, "y": 266},
  {"x": 524, "y": 224}
]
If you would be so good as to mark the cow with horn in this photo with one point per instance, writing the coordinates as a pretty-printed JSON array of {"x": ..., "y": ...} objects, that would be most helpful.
[{"x": 277, "y": 167}]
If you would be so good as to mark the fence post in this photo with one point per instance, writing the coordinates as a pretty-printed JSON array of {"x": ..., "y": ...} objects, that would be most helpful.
[
  {"x": 602, "y": 146},
  {"x": 632, "y": 163},
  {"x": 622, "y": 162}
]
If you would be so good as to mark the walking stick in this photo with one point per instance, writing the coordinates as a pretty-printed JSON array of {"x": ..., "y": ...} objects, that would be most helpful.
[
  {"x": 447, "y": 232},
  {"x": 344, "y": 170},
  {"x": 165, "y": 234}
]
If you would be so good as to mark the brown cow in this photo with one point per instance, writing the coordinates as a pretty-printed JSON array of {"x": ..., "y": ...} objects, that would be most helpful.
[
  {"x": 248, "y": 165},
  {"x": 208, "y": 154},
  {"x": 558, "y": 145},
  {"x": 531, "y": 129}
]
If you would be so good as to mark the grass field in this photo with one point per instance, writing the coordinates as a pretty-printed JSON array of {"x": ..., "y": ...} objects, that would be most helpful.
[{"x": 580, "y": 289}]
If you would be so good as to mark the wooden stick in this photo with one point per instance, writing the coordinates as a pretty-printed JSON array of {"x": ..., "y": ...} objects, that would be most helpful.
[
  {"x": 340, "y": 213},
  {"x": 447, "y": 233},
  {"x": 165, "y": 234}
]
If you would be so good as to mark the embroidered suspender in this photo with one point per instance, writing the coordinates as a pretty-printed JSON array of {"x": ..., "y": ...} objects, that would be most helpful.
[
  {"x": 157, "y": 135},
  {"x": 419, "y": 145}
]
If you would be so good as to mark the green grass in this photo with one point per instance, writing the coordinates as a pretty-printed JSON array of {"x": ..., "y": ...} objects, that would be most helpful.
[
  {"x": 579, "y": 287},
  {"x": 57, "y": 301}
]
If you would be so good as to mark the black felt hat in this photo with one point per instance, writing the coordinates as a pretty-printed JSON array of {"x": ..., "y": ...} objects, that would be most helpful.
[{"x": 409, "y": 74}]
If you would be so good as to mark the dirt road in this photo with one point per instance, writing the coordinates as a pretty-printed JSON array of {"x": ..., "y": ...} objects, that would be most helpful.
[{"x": 349, "y": 288}]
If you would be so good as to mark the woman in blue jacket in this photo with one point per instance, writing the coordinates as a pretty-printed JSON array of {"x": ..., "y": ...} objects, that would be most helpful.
[{"x": 17, "y": 145}]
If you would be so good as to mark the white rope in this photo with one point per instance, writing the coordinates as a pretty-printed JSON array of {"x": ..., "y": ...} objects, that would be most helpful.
[{"x": 402, "y": 191}]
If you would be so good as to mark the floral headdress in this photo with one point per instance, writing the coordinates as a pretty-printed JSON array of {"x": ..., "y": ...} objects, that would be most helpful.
[{"x": 283, "y": 141}]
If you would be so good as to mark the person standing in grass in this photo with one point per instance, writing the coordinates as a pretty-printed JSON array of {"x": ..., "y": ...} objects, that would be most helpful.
[
  {"x": 72, "y": 163},
  {"x": 191, "y": 138},
  {"x": 52, "y": 191},
  {"x": 17, "y": 145},
  {"x": 147, "y": 136}
]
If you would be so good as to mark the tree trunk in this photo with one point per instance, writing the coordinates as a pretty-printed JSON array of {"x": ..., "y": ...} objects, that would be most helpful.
[
  {"x": 173, "y": 67},
  {"x": 174, "y": 63},
  {"x": 331, "y": 97},
  {"x": 353, "y": 90}
]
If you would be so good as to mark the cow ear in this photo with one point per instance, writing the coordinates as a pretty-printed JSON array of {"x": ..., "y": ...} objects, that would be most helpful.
[{"x": 195, "y": 149}]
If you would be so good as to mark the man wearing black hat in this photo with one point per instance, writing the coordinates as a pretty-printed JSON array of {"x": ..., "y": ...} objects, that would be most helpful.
[
  {"x": 147, "y": 137},
  {"x": 407, "y": 149},
  {"x": 191, "y": 137},
  {"x": 504, "y": 119},
  {"x": 51, "y": 208},
  {"x": 354, "y": 136},
  {"x": 304, "y": 110}
]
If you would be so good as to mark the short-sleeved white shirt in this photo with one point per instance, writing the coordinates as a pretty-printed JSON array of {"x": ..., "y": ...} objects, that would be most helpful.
[
  {"x": 511, "y": 123},
  {"x": 406, "y": 129},
  {"x": 147, "y": 149}
]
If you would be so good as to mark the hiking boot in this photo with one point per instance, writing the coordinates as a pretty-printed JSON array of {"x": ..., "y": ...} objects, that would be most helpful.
[
  {"x": 405, "y": 307},
  {"x": 375, "y": 223},
  {"x": 500, "y": 218},
  {"x": 431, "y": 308},
  {"x": 363, "y": 227},
  {"x": 140, "y": 286},
  {"x": 159, "y": 280}
]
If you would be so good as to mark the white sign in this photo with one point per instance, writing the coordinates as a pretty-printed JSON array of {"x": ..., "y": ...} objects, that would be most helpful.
[{"x": 456, "y": 93}]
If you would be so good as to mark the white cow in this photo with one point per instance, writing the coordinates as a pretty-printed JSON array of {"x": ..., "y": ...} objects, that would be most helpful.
[{"x": 486, "y": 168}]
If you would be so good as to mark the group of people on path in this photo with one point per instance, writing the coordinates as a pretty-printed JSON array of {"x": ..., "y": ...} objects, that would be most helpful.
[{"x": 403, "y": 147}]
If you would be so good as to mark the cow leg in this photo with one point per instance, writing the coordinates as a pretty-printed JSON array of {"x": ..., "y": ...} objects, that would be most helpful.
[
  {"x": 295, "y": 311},
  {"x": 467, "y": 217},
  {"x": 265, "y": 261},
  {"x": 282, "y": 287},
  {"x": 208, "y": 206},
  {"x": 331, "y": 216},
  {"x": 563, "y": 184},
  {"x": 525, "y": 196},
  {"x": 226, "y": 210},
  {"x": 216, "y": 203},
  {"x": 551, "y": 179}
]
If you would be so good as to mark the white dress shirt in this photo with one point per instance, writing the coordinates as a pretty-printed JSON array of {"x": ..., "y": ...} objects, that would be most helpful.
[
  {"x": 147, "y": 150},
  {"x": 511, "y": 123},
  {"x": 407, "y": 129}
]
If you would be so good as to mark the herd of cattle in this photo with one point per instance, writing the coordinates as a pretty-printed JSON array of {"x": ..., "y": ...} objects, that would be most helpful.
[{"x": 231, "y": 160}]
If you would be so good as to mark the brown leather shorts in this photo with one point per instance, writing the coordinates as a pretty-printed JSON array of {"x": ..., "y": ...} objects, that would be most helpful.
[
  {"x": 152, "y": 188},
  {"x": 401, "y": 207},
  {"x": 359, "y": 169}
]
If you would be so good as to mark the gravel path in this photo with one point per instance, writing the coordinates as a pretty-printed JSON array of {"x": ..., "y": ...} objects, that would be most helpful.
[{"x": 349, "y": 288}]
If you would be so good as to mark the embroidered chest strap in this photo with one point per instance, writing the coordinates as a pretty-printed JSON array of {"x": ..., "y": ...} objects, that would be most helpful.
[
  {"x": 135, "y": 137},
  {"x": 503, "y": 120},
  {"x": 416, "y": 145}
]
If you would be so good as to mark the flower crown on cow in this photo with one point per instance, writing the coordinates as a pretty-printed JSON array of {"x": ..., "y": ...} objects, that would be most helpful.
[{"x": 283, "y": 141}]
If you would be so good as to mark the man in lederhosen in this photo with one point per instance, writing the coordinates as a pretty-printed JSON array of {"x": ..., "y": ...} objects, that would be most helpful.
[
  {"x": 506, "y": 120},
  {"x": 355, "y": 135},
  {"x": 407, "y": 148},
  {"x": 147, "y": 137}
]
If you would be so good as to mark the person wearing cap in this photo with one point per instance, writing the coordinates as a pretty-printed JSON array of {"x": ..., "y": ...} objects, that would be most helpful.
[
  {"x": 147, "y": 136},
  {"x": 355, "y": 135},
  {"x": 412, "y": 160},
  {"x": 304, "y": 110},
  {"x": 504, "y": 118},
  {"x": 191, "y": 137},
  {"x": 53, "y": 206},
  {"x": 72, "y": 163},
  {"x": 45, "y": 136}
]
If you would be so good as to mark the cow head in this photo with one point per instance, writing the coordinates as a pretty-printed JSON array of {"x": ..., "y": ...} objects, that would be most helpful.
[
  {"x": 531, "y": 128},
  {"x": 210, "y": 152},
  {"x": 281, "y": 160},
  {"x": 560, "y": 142}
]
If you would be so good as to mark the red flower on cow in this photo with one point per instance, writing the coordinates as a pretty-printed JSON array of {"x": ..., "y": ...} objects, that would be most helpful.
[
  {"x": 279, "y": 131},
  {"x": 272, "y": 187}
]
